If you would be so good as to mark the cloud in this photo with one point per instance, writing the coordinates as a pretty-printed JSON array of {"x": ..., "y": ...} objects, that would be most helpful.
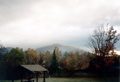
[
  {"x": 33, "y": 23},
  {"x": 62, "y": 12}
]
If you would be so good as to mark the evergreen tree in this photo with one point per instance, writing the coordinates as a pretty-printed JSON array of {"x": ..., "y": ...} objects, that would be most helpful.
[{"x": 54, "y": 64}]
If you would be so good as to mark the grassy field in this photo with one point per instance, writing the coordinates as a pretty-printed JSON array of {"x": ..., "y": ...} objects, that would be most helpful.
[{"x": 73, "y": 80}]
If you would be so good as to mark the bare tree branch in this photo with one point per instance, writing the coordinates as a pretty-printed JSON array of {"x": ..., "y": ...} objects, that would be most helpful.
[{"x": 103, "y": 40}]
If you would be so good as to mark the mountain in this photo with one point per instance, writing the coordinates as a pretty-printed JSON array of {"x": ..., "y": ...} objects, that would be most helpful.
[
  {"x": 5, "y": 50},
  {"x": 62, "y": 48},
  {"x": 9, "y": 48}
]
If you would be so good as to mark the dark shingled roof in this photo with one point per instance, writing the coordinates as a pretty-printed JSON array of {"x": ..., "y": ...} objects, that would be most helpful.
[{"x": 34, "y": 68}]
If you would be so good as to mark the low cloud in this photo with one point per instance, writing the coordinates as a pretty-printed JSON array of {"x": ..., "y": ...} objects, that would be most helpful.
[{"x": 37, "y": 23}]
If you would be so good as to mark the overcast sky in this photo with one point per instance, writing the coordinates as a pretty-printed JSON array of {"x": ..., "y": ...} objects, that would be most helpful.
[{"x": 37, "y": 23}]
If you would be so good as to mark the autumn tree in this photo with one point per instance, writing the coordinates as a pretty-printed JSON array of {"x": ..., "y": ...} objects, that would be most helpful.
[
  {"x": 58, "y": 53},
  {"x": 71, "y": 61},
  {"x": 41, "y": 54},
  {"x": 103, "y": 40},
  {"x": 85, "y": 59},
  {"x": 15, "y": 57},
  {"x": 32, "y": 56},
  {"x": 46, "y": 57},
  {"x": 103, "y": 44}
]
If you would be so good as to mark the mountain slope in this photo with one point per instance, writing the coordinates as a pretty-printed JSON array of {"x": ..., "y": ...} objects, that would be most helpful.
[
  {"x": 5, "y": 50},
  {"x": 61, "y": 48}
]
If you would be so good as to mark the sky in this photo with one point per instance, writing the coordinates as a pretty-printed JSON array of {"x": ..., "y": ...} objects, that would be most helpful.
[{"x": 37, "y": 23}]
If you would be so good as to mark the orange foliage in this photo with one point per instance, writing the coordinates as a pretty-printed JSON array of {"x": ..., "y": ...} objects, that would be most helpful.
[{"x": 109, "y": 61}]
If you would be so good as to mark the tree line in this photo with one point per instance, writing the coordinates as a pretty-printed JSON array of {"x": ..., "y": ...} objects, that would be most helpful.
[
  {"x": 103, "y": 61},
  {"x": 57, "y": 63}
]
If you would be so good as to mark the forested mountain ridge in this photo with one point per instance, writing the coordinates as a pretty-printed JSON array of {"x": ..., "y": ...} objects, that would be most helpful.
[
  {"x": 5, "y": 50},
  {"x": 62, "y": 48}
]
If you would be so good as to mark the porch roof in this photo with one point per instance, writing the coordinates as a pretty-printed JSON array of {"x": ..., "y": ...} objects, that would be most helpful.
[{"x": 34, "y": 68}]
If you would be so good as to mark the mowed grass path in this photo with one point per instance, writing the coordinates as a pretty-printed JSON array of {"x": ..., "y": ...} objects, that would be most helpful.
[{"x": 73, "y": 80}]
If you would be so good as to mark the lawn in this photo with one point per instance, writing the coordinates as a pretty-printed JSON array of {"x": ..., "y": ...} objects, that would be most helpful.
[{"x": 73, "y": 80}]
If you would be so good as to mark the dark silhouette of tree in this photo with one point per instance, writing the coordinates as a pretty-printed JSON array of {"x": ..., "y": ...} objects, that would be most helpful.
[
  {"x": 15, "y": 57},
  {"x": 11, "y": 60},
  {"x": 103, "y": 40},
  {"x": 2, "y": 48},
  {"x": 103, "y": 44},
  {"x": 54, "y": 63}
]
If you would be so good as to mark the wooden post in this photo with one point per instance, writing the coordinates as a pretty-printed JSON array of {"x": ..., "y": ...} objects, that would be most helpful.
[
  {"x": 13, "y": 77},
  {"x": 44, "y": 76},
  {"x": 37, "y": 79},
  {"x": 37, "y": 76},
  {"x": 21, "y": 77},
  {"x": 12, "y": 80},
  {"x": 29, "y": 78},
  {"x": 21, "y": 80}
]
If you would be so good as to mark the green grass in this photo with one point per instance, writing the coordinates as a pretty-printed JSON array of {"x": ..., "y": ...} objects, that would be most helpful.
[
  {"x": 80, "y": 80},
  {"x": 73, "y": 80}
]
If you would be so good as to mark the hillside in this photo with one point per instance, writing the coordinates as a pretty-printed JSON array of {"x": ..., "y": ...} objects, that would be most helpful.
[
  {"x": 5, "y": 50},
  {"x": 62, "y": 48}
]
